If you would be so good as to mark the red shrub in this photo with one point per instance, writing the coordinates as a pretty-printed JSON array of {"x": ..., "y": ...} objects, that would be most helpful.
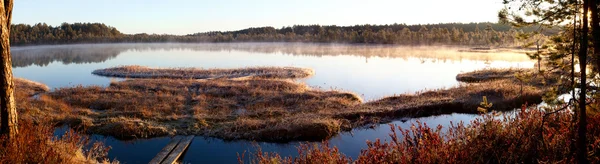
[
  {"x": 518, "y": 137},
  {"x": 36, "y": 144}
]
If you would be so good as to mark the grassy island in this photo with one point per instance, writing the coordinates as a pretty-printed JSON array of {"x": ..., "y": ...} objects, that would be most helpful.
[
  {"x": 261, "y": 106},
  {"x": 134, "y": 71}
]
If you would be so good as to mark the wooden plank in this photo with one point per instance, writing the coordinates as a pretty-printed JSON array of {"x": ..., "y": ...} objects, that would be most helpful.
[
  {"x": 176, "y": 153},
  {"x": 166, "y": 150}
]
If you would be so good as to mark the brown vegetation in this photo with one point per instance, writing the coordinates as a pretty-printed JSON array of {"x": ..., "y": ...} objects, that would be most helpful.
[
  {"x": 260, "y": 109},
  {"x": 528, "y": 136},
  {"x": 30, "y": 87},
  {"x": 35, "y": 142},
  {"x": 465, "y": 98},
  {"x": 34, "y": 106},
  {"x": 252, "y": 108},
  {"x": 135, "y": 71},
  {"x": 531, "y": 77},
  {"x": 256, "y": 109},
  {"x": 489, "y": 74}
]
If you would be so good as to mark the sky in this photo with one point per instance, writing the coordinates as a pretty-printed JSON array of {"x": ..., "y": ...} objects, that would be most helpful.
[{"x": 192, "y": 16}]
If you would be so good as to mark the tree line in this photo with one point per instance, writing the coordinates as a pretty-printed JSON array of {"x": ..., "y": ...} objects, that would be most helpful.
[{"x": 482, "y": 34}]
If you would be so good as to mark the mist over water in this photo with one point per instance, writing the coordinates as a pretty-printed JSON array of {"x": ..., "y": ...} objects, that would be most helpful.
[{"x": 372, "y": 71}]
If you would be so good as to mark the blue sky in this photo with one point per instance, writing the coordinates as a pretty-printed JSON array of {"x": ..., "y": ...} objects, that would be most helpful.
[{"x": 191, "y": 16}]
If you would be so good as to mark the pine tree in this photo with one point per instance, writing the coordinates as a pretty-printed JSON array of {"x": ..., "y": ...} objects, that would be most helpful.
[{"x": 8, "y": 111}]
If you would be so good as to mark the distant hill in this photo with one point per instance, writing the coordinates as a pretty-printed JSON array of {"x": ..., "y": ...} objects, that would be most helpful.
[{"x": 488, "y": 34}]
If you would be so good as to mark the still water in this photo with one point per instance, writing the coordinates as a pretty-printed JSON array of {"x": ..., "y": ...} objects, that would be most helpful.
[{"x": 372, "y": 71}]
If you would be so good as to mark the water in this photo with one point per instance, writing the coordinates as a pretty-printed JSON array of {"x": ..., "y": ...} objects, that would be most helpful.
[
  {"x": 212, "y": 150},
  {"x": 371, "y": 71}
]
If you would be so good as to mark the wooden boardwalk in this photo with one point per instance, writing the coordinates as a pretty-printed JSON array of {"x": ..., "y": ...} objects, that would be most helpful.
[{"x": 174, "y": 149}]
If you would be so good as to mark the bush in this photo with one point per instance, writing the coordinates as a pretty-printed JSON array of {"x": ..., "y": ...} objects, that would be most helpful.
[
  {"x": 36, "y": 144},
  {"x": 519, "y": 137}
]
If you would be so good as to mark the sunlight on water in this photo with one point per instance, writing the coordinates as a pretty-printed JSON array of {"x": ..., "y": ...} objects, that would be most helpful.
[{"x": 371, "y": 71}]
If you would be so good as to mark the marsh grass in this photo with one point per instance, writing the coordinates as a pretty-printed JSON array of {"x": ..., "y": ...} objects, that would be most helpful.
[
  {"x": 35, "y": 142},
  {"x": 253, "y": 108},
  {"x": 135, "y": 71},
  {"x": 263, "y": 109},
  {"x": 532, "y": 77},
  {"x": 518, "y": 138},
  {"x": 490, "y": 74},
  {"x": 30, "y": 87},
  {"x": 505, "y": 94}
]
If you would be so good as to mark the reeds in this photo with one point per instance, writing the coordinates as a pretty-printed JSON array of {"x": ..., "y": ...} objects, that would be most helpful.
[
  {"x": 254, "y": 108},
  {"x": 519, "y": 138},
  {"x": 135, "y": 71},
  {"x": 490, "y": 74}
]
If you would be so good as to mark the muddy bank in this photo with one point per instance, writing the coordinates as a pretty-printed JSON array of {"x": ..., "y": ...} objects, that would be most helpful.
[{"x": 134, "y": 71}]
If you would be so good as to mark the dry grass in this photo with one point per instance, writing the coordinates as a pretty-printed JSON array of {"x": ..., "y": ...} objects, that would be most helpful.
[
  {"x": 35, "y": 142},
  {"x": 30, "y": 87},
  {"x": 135, "y": 71},
  {"x": 466, "y": 98},
  {"x": 527, "y": 136},
  {"x": 506, "y": 89},
  {"x": 263, "y": 109},
  {"x": 255, "y": 109},
  {"x": 490, "y": 74},
  {"x": 33, "y": 105}
]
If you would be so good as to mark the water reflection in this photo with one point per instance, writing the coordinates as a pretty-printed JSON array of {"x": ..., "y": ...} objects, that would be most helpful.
[
  {"x": 97, "y": 53},
  {"x": 44, "y": 55},
  {"x": 372, "y": 71},
  {"x": 211, "y": 150}
]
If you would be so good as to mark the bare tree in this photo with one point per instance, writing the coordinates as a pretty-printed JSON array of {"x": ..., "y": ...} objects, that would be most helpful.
[{"x": 8, "y": 110}]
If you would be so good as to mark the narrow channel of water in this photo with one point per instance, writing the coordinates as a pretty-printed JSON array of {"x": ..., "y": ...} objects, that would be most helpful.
[{"x": 212, "y": 150}]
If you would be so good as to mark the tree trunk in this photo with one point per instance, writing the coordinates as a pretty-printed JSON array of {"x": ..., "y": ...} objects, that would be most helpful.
[
  {"x": 572, "y": 146},
  {"x": 8, "y": 110},
  {"x": 583, "y": 50},
  {"x": 539, "y": 57}
]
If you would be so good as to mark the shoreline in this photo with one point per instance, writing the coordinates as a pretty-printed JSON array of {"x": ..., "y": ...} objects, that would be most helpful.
[{"x": 256, "y": 108}]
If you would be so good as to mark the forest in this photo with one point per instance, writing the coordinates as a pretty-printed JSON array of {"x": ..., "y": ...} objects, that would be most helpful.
[{"x": 472, "y": 34}]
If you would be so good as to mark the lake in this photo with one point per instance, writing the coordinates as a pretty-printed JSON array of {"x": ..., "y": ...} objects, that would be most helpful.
[{"x": 371, "y": 71}]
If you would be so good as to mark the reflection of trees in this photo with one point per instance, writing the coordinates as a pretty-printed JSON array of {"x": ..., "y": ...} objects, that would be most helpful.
[
  {"x": 94, "y": 53},
  {"x": 307, "y": 49},
  {"x": 44, "y": 55}
]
